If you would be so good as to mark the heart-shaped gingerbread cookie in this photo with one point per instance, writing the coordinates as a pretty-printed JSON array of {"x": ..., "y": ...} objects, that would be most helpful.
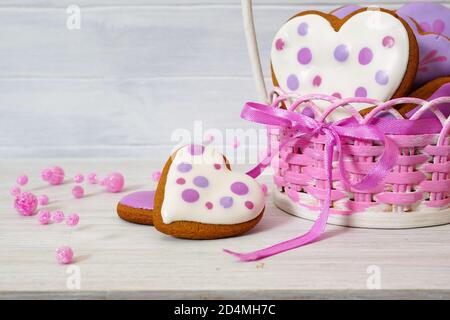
[
  {"x": 369, "y": 53},
  {"x": 199, "y": 197}
]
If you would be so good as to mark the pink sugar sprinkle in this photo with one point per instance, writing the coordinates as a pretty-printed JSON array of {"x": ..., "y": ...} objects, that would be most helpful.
[
  {"x": 22, "y": 180},
  {"x": 264, "y": 189},
  {"x": 78, "y": 192},
  {"x": 64, "y": 255},
  {"x": 58, "y": 216},
  {"x": 44, "y": 217},
  {"x": 15, "y": 191},
  {"x": 92, "y": 178},
  {"x": 43, "y": 200},
  {"x": 26, "y": 203},
  {"x": 79, "y": 178}
]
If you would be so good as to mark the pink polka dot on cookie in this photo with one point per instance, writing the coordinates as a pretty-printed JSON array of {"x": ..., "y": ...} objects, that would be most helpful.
[
  {"x": 388, "y": 42},
  {"x": 217, "y": 166},
  {"x": 365, "y": 56},
  {"x": 190, "y": 195},
  {"x": 279, "y": 44},
  {"x": 249, "y": 205},
  {"x": 209, "y": 205},
  {"x": 317, "y": 81},
  {"x": 337, "y": 95},
  {"x": 180, "y": 181},
  {"x": 239, "y": 188},
  {"x": 304, "y": 56}
]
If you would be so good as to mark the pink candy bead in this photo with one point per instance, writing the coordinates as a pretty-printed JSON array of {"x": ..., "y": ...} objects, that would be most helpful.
[
  {"x": 64, "y": 255},
  {"x": 53, "y": 175},
  {"x": 78, "y": 192},
  {"x": 22, "y": 180},
  {"x": 92, "y": 178},
  {"x": 114, "y": 182},
  {"x": 44, "y": 217},
  {"x": 58, "y": 216},
  {"x": 26, "y": 203},
  {"x": 73, "y": 219},
  {"x": 15, "y": 191},
  {"x": 79, "y": 178},
  {"x": 156, "y": 176},
  {"x": 43, "y": 200}
]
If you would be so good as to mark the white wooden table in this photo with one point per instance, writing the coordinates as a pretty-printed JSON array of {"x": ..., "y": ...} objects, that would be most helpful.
[{"x": 119, "y": 260}]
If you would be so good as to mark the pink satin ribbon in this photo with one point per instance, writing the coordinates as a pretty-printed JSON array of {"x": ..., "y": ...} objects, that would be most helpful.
[{"x": 306, "y": 128}]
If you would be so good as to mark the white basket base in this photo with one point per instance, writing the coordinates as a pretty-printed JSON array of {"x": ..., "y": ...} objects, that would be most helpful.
[{"x": 368, "y": 219}]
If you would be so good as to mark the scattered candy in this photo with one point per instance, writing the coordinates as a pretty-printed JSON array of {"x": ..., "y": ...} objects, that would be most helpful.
[
  {"x": 79, "y": 178},
  {"x": 15, "y": 191},
  {"x": 22, "y": 180},
  {"x": 44, "y": 217},
  {"x": 156, "y": 176},
  {"x": 64, "y": 255},
  {"x": 26, "y": 203},
  {"x": 43, "y": 200},
  {"x": 73, "y": 219},
  {"x": 53, "y": 175},
  {"x": 92, "y": 178},
  {"x": 58, "y": 216},
  {"x": 114, "y": 182},
  {"x": 78, "y": 192}
]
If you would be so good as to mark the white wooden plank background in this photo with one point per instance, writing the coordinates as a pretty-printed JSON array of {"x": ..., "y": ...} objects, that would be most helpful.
[{"x": 108, "y": 88}]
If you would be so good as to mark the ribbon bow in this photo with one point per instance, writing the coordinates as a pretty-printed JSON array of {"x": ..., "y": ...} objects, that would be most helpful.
[{"x": 306, "y": 127}]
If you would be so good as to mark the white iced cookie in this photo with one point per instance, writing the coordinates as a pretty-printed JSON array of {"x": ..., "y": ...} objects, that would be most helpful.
[
  {"x": 199, "y": 197},
  {"x": 370, "y": 53}
]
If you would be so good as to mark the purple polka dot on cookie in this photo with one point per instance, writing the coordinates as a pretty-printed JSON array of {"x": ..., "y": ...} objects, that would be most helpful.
[
  {"x": 201, "y": 182},
  {"x": 388, "y": 42},
  {"x": 279, "y": 44},
  {"x": 341, "y": 53},
  {"x": 317, "y": 81},
  {"x": 249, "y": 205},
  {"x": 239, "y": 188},
  {"x": 337, "y": 95},
  {"x": 184, "y": 167},
  {"x": 226, "y": 202},
  {"x": 365, "y": 56},
  {"x": 196, "y": 149},
  {"x": 209, "y": 205},
  {"x": 304, "y": 56},
  {"x": 292, "y": 82},
  {"x": 190, "y": 195},
  {"x": 302, "y": 29},
  {"x": 381, "y": 77},
  {"x": 217, "y": 166},
  {"x": 361, "y": 92},
  {"x": 180, "y": 181}
]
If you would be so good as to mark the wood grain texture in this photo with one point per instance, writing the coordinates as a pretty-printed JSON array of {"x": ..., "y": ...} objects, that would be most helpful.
[{"x": 119, "y": 260}]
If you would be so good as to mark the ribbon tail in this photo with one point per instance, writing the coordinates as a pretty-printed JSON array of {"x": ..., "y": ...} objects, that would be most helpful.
[
  {"x": 312, "y": 235},
  {"x": 316, "y": 230}
]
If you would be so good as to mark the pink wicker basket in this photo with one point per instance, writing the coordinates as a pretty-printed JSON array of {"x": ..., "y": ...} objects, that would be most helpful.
[{"x": 415, "y": 192}]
